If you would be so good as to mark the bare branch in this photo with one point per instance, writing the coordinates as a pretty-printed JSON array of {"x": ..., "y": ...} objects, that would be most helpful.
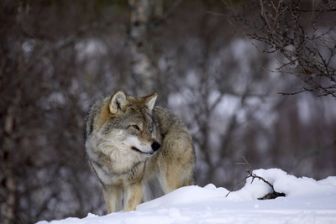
[{"x": 270, "y": 195}]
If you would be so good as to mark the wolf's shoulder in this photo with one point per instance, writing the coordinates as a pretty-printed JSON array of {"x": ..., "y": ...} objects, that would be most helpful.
[
  {"x": 167, "y": 120},
  {"x": 98, "y": 111}
]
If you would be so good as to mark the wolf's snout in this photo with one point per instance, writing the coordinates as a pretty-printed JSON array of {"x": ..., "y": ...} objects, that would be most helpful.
[{"x": 155, "y": 146}]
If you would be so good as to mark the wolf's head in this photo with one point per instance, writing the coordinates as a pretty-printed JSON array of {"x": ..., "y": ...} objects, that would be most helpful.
[{"x": 131, "y": 124}]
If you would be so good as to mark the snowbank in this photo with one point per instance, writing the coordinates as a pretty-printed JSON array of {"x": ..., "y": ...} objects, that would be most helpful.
[{"x": 307, "y": 201}]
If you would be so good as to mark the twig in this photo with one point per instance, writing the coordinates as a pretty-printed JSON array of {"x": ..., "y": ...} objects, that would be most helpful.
[
  {"x": 316, "y": 10},
  {"x": 244, "y": 163},
  {"x": 270, "y": 195},
  {"x": 254, "y": 176},
  {"x": 292, "y": 93}
]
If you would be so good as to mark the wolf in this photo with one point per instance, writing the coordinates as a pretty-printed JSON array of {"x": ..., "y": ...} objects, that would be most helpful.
[{"x": 129, "y": 140}]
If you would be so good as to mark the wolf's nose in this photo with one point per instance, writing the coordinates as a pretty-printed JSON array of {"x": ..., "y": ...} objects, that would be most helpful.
[{"x": 155, "y": 145}]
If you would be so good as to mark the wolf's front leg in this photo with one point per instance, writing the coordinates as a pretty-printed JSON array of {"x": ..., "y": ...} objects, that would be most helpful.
[
  {"x": 112, "y": 197},
  {"x": 133, "y": 196}
]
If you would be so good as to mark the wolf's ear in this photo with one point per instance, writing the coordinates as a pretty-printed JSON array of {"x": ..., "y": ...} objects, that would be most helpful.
[
  {"x": 150, "y": 100},
  {"x": 118, "y": 102}
]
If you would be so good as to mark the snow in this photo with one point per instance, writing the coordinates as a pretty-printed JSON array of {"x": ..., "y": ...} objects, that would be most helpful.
[{"x": 307, "y": 201}]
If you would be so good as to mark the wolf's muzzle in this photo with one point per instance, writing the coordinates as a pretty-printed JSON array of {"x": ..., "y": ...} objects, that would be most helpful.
[{"x": 155, "y": 146}]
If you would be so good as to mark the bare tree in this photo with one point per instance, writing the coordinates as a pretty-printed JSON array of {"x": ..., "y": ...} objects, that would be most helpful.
[
  {"x": 144, "y": 66},
  {"x": 297, "y": 30}
]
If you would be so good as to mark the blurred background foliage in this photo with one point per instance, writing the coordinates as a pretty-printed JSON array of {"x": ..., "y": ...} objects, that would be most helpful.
[{"x": 253, "y": 80}]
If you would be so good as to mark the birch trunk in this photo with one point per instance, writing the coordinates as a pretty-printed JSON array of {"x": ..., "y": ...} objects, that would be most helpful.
[
  {"x": 144, "y": 68},
  {"x": 8, "y": 207}
]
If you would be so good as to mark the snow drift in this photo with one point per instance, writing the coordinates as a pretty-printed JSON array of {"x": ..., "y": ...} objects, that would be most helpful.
[{"x": 307, "y": 201}]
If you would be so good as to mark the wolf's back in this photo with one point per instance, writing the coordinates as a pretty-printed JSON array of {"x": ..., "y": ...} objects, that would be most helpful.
[{"x": 95, "y": 114}]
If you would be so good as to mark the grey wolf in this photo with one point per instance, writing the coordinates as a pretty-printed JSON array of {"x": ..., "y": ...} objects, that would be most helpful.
[{"x": 129, "y": 140}]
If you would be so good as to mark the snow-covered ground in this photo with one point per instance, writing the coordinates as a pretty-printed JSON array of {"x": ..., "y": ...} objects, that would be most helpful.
[{"x": 307, "y": 201}]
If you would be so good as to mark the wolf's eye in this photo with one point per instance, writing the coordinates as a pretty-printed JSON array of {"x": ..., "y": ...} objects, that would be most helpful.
[{"x": 134, "y": 126}]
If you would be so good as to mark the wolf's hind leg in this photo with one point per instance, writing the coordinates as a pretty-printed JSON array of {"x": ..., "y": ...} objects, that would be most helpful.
[
  {"x": 112, "y": 196},
  {"x": 133, "y": 196},
  {"x": 173, "y": 177},
  {"x": 176, "y": 163}
]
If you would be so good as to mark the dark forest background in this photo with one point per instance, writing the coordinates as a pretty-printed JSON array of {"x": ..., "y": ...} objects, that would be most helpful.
[{"x": 255, "y": 82}]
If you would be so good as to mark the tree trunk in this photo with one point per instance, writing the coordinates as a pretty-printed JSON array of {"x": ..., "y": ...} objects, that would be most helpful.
[
  {"x": 144, "y": 68},
  {"x": 9, "y": 185}
]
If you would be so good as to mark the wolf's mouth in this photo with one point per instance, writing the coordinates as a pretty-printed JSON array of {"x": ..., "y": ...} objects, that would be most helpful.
[{"x": 139, "y": 151}]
